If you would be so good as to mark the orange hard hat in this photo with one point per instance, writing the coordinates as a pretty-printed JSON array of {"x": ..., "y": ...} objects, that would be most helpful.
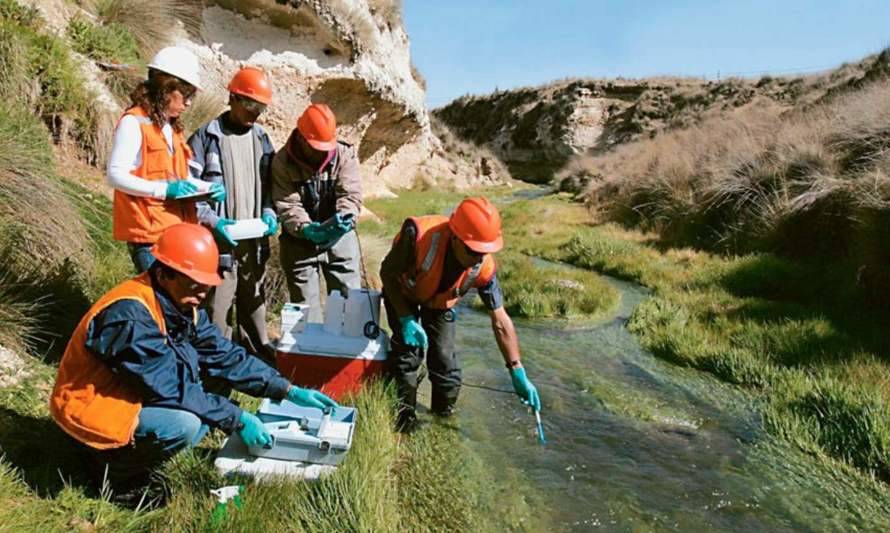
[
  {"x": 190, "y": 250},
  {"x": 477, "y": 223},
  {"x": 252, "y": 83},
  {"x": 318, "y": 126}
]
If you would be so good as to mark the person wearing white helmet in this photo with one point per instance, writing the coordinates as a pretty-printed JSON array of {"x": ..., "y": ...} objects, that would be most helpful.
[{"x": 148, "y": 167}]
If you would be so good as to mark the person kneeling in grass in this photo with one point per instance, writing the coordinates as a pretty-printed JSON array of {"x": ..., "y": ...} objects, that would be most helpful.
[{"x": 129, "y": 385}]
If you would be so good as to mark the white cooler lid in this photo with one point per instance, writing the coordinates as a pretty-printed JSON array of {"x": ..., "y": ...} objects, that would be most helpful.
[{"x": 313, "y": 340}]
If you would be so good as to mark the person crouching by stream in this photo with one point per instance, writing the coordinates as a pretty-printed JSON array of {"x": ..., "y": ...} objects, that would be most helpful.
[
  {"x": 433, "y": 262},
  {"x": 148, "y": 166},
  {"x": 129, "y": 385},
  {"x": 234, "y": 152}
]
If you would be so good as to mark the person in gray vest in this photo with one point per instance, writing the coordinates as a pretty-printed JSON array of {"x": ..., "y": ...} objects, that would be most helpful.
[
  {"x": 317, "y": 192},
  {"x": 234, "y": 151}
]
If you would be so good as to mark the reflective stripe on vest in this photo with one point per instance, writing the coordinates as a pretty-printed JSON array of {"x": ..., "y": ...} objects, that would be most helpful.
[
  {"x": 142, "y": 219},
  {"x": 89, "y": 401},
  {"x": 431, "y": 246}
]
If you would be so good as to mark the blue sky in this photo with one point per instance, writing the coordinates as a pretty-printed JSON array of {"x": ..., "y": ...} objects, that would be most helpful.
[{"x": 463, "y": 46}]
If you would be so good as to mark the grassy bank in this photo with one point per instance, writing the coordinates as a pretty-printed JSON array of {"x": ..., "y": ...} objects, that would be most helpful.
[{"x": 796, "y": 333}]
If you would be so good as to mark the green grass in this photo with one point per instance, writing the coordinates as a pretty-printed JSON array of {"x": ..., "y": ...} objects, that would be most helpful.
[
  {"x": 429, "y": 481},
  {"x": 38, "y": 73},
  {"x": 109, "y": 43},
  {"x": 758, "y": 321}
]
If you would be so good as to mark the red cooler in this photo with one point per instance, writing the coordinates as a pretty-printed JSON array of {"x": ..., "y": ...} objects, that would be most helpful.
[{"x": 337, "y": 356}]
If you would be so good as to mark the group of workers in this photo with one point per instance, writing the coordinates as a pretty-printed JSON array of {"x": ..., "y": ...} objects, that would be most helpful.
[{"x": 149, "y": 368}]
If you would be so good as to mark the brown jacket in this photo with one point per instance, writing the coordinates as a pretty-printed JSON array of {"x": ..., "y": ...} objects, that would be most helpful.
[{"x": 338, "y": 183}]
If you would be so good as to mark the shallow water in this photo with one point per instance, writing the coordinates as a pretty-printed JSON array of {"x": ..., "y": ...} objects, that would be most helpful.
[{"x": 638, "y": 444}]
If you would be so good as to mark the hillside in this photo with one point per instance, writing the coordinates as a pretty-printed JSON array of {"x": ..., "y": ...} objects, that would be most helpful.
[
  {"x": 352, "y": 54},
  {"x": 536, "y": 130}
]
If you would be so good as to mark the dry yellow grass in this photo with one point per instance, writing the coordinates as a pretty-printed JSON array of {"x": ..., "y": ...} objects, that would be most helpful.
[{"x": 810, "y": 181}]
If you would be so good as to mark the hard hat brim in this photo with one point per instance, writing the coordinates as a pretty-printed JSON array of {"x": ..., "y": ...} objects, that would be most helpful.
[
  {"x": 484, "y": 247},
  {"x": 205, "y": 278},
  {"x": 322, "y": 146},
  {"x": 214, "y": 280}
]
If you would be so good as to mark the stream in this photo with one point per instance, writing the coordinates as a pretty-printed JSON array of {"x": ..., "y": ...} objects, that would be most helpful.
[{"x": 634, "y": 443}]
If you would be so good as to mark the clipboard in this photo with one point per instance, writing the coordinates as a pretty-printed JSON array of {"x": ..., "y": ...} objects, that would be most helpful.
[{"x": 196, "y": 197}]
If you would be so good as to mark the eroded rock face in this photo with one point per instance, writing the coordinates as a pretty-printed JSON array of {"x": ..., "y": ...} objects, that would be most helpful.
[
  {"x": 341, "y": 54},
  {"x": 536, "y": 131},
  {"x": 353, "y": 55}
]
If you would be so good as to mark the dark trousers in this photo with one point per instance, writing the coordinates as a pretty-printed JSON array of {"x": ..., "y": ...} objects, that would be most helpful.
[{"x": 444, "y": 367}]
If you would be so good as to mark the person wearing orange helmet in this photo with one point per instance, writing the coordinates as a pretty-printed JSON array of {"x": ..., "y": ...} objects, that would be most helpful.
[
  {"x": 233, "y": 152},
  {"x": 129, "y": 386},
  {"x": 433, "y": 262},
  {"x": 317, "y": 192}
]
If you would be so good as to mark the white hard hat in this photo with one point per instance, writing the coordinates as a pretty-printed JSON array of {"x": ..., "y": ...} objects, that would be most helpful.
[{"x": 178, "y": 62}]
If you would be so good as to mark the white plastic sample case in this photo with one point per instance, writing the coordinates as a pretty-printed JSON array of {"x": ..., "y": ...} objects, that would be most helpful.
[
  {"x": 307, "y": 444},
  {"x": 306, "y": 434}
]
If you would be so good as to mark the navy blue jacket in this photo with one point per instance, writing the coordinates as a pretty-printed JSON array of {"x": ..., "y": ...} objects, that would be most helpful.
[{"x": 167, "y": 370}]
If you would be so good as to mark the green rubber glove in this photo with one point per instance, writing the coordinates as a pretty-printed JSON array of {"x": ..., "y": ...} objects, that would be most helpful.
[
  {"x": 309, "y": 398},
  {"x": 179, "y": 188},
  {"x": 217, "y": 192},
  {"x": 525, "y": 389},
  {"x": 413, "y": 333},
  {"x": 271, "y": 221},
  {"x": 315, "y": 233},
  {"x": 253, "y": 432},
  {"x": 222, "y": 236}
]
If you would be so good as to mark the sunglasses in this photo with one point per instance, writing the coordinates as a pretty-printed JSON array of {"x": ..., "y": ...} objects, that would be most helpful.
[{"x": 250, "y": 105}]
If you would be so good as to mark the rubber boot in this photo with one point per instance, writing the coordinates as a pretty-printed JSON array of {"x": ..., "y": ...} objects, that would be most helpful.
[
  {"x": 442, "y": 405},
  {"x": 407, "y": 416}
]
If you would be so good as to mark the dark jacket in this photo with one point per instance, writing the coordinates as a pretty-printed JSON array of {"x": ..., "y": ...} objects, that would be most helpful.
[
  {"x": 208, "y": 165},
  {"x": 302, "y": 194},
  {"x": 168, "y": 370}
]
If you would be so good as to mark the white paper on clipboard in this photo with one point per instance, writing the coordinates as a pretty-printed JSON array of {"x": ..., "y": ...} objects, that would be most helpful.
[{"x": 247, "y": 229}]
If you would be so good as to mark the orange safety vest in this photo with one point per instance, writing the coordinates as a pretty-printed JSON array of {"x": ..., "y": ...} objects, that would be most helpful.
[
  {"x": 141, "y": 219},
  {"x": 90, "y": 402},
  {"x": 431, "y": 246}
]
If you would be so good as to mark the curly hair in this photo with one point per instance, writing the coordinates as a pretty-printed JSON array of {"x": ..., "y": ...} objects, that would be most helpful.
[{"x": 153, "y": 95}]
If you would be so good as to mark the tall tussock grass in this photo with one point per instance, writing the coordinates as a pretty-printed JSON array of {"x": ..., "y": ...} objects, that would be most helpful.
[
  {"x": 151, "y": 24},
  {"x": 805, "y": 183}
]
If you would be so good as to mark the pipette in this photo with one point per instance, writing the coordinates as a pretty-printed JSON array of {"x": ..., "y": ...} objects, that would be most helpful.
[{"x": 541, "y": 438}]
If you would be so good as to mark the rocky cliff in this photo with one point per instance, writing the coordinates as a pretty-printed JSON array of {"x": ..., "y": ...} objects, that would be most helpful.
[
  {"x": 353, "y": 55},
  {"x": 537, "y": 130}
]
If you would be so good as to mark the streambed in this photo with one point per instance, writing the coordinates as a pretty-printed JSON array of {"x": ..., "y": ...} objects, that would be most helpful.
[{"x": 635, "y": 443}]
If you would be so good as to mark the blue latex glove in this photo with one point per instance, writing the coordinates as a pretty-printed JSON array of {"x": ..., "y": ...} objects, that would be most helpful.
[
  {"x": 271, "y": 221},
  {"x": 218, "y": 192},
  {"x": 525, "y": 389},
  {"x": 179, "y": 188},
  {"x": 253, "y": 433},
  {"x": 341, "y": 226},
  {"x": 219, "y": 231},
  {"x": 345, "y": 223},
  {"x": 413, "y": 333},
  {"x": 309, "y": 398},
  {"x": 315, "y": 233}
]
